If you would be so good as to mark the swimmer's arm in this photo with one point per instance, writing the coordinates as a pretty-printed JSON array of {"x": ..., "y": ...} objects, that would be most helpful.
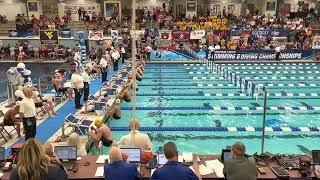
[{"x": 96, "y": 136}]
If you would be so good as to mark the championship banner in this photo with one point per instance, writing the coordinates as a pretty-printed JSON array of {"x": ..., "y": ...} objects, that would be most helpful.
[
  {"x": 165, "y": 34},
  {"x": 49, "y": 37},
  {"x": 199, "y": 34},
  {"x": 181, "y": 35},
  {"x": 81, "y": 35},
  {"x": 96, "y": 35},
  {"x": 253, "y": 55},
  {"x": 65, "y": 33},
  {"x": 114, "y": 36}
]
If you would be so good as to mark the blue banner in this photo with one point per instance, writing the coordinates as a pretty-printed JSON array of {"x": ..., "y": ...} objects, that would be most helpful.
[{"x": 272, "y": 32}]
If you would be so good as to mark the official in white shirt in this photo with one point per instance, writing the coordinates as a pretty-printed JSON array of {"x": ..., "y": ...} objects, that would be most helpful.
[
  {"x": 211, "y": 51},
  {"x": 77, "y": 85},
  {"x": 115, "y": 55},
  {"x": 123, "y": 54},
  {"x": 104, "y": 69},
  {"x": 27, "y": 112},
  {"x": 86, "y": 87},
  {"x": 277, "y": 50}
]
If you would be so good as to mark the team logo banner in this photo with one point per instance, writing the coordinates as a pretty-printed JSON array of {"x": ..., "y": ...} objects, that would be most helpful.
[
  {"x": 96, "y": 35},
  {"x": 181, "y": 35},
  {"x": 199, "y": 34},
  {"x": 165, "y": 34},
  {"x": 49, "y": 37},
  {"x": 114, "y": 36}
]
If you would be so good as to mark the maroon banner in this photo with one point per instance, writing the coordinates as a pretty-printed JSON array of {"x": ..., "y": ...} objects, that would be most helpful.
[{"x": 181, "y": 35}]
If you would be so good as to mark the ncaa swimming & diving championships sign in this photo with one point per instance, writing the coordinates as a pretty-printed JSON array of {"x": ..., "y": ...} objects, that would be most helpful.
[{"x": 49, "y": 37}]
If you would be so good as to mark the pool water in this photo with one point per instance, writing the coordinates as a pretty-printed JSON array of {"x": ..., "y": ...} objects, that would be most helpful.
[{"x": 182, "y": 95}]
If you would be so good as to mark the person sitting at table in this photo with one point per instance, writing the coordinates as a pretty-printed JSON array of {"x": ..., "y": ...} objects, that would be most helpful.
[
  {"x": 101, "y": 133},
  {"x": 135, "y": 138},
  {"x": 239, "y": 167},
  {"x": 54, "y": 159},
  {"x": 118, "y": 168},
  {"x": 173, "y": 170},
  {"x": 10, "y": 118},
  {"x": 34, "y": 164},
  {"x": 74, "y": 140}
]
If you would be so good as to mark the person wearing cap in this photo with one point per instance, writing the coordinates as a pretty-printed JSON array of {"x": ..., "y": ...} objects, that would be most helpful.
[
  {"x": 101, "y": 133},
  {"x": 239, "y": 166},
  {"x": 10, "y": 118}
]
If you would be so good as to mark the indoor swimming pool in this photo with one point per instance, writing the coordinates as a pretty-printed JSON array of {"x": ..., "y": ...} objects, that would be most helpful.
[{"x": 196, "y": 107}]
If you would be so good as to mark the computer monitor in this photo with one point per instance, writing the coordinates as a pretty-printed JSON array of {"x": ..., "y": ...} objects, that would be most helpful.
[
  {"x": 226, "y": 154},
  {"x": 2, "y": 154},
  {"x": 66, "y": 152},
  {"x": 134, "y": 154},
  {"x": 162, "y": 159},
  {"x": 315, "y": 156},
  {"x": 112, "y": 91}
]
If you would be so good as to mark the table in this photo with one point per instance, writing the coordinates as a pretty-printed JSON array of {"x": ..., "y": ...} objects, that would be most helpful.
[{"x": 88, "y": 172}]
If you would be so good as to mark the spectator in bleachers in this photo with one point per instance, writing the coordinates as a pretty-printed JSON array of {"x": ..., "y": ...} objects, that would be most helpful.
[
  {"x": 10, "y": 119},
  {"x": 135, "y": 138},
  {"x": 173, "y": 170},
  {"x": 118, "y": 168},
  {"x": 35, "y": 164},
  {"x": 239, "y": 167}
]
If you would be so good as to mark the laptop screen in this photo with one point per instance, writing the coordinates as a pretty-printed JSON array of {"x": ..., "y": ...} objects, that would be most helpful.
[
  {"x": 2, "y": 154},
  {"x": 66, "y": 152},
  {"x": 227, "y": 155},
  {"x": 162, "y": 159},
  {"x": 316, "y": 156},
  {"x": 134, "y": 154}
]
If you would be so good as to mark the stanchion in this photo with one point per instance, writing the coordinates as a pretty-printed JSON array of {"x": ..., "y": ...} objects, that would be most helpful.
[{"x": 264, "y": 118}]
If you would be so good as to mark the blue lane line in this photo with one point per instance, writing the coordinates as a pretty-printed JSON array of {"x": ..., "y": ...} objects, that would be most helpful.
[
  {"x": 51, "y": 125},
  {"x": 219, "y": 129},
  {"x": 160, "y": 84}
]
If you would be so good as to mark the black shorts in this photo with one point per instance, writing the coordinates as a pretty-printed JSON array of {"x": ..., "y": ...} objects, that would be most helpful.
[
  {"x": 63, "y": 89},
  {"x": 8, "y": 122},
  {"x": 38, "y": 104},
  {"x": 106, "y": 142}
]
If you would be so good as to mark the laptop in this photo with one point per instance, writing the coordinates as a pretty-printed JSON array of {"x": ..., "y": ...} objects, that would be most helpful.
[
  {"x": 134, "y": 154},
  {"x": 162, "y": 159},
  {"x": 2, "y": 156},
  {"x": 225, "y": 155},
  {"x": 315, "y": 157},
  {"x": 67, "y": 155}
]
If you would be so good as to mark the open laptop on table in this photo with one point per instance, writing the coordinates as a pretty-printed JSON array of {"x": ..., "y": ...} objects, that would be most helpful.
[
  {"x": 134, "y": 155},
  {"x": 67, "y": 155},
  {"x": 162, "y": 159},
  {"x": 225, "y": 155}
]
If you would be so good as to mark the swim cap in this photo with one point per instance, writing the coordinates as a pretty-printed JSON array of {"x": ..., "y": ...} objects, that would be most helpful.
[{"x": 97, "y": 121}]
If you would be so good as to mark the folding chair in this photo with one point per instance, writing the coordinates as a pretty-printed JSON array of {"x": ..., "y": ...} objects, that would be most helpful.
[{"x": 80, "y": 126}]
